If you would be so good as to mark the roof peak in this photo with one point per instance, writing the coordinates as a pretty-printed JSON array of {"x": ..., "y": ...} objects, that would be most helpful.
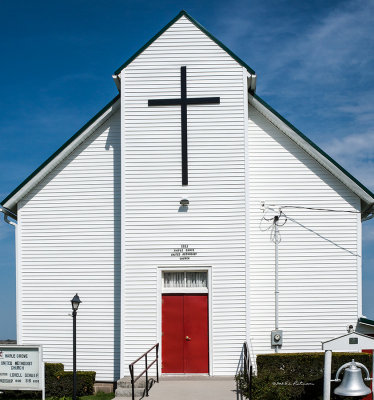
[{"x": 184, "y": 13}]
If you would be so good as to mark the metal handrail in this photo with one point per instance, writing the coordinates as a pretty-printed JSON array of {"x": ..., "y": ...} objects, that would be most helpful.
[
  {"x": 248, "y": 368},
  {"x": 145, "y": 371}
]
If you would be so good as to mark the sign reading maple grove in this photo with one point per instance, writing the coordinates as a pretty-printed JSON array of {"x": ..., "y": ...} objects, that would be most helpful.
[{"x": 21, "y": 368}]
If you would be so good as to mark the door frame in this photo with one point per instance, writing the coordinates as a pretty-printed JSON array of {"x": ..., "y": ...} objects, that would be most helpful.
[{"x": 160, "y": 292}]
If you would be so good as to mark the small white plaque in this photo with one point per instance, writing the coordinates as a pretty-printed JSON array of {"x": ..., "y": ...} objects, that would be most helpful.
[{"x": 21, "y": 368}]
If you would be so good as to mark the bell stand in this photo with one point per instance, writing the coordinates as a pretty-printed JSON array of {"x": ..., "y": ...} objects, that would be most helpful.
[{"x": 352, "y": 342}]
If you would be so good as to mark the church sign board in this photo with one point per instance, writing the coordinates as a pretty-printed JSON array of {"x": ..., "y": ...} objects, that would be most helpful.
[{"x": 21, "y": 368}]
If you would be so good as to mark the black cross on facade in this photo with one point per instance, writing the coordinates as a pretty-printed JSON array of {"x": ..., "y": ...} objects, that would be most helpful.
[{"x": 183, "y": 102}]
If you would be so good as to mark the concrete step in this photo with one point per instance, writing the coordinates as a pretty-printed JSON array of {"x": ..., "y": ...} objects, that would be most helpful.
[
  {"x": 124, "y": 390},
  {"x": 126, "y": 382},
  {"x": 127, "y": 392},
  {"x": 121, "y": 398},
  {"x": 126, "y": 398}
]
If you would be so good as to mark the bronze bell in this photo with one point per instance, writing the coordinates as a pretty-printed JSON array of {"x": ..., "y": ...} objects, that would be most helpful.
[{"x": 352, "y": 384}]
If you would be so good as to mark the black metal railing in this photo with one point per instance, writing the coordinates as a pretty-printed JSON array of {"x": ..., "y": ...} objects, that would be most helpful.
[
  {"x": 145, "y": 371},
  {"x": 248, "y": 369}
]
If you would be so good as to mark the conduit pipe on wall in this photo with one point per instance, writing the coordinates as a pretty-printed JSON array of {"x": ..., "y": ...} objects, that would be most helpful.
[
  {"x": 276, "y": 334},
  {"x": 276, "y": 240},
  {"x": 276, "y": 218}
]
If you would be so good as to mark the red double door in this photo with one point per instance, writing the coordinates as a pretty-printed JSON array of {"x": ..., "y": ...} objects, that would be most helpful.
[{"x": 185, "y": 333}]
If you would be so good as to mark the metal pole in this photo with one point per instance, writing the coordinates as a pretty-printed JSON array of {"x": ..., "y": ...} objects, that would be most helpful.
[
  {"x": 276, "y": 218},
  {"x": 157, "y": 361},
  {"x": 327, "y": 375},
  {"x": 132, "y": 382},
  {"x": 250, "y": 382},
  {"x": 146, "y": 375},
  {"x": 245, "y": 354},
  {"x": 74, "y": 355}
]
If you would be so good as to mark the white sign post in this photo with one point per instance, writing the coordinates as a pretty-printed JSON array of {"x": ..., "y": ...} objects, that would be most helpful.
[{"x": 22, "y": 368}]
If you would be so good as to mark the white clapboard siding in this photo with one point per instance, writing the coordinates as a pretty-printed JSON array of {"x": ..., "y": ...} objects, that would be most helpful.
[
  {"x": 69, "y": 227},
  {"x": 318, "y": 254},
  {"x": 151, "y": 181},
  {"x": 106, "y": 220}
]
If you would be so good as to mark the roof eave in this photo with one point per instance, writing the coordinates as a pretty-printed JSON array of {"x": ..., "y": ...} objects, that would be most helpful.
[
  {"x": 315, "y": 151},
  {"x": 10, "y": 202},
  {"x": 366, "y": 321}
]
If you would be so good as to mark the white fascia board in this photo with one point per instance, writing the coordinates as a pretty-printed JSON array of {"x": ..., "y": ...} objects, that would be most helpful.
[
  {"x": 310, "y": 150},
  {"x": 251, "y": 82},
  {"x": 117, "y": 81},
  {"x": 12, "y": 202}
]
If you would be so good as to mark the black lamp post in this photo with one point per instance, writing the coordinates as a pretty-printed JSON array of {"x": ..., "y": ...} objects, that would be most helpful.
[{"x": 75, "y": 301}]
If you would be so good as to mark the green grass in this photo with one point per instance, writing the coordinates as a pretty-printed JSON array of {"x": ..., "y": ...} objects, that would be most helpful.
[{"x": 99, "y": 396}]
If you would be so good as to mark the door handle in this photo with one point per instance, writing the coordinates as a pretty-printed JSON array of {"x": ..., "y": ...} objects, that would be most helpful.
[{"x": 188, "y": 338}]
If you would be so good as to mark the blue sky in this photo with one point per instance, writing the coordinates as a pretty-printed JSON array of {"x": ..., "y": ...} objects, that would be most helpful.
[{"x": 314, "y": 61}]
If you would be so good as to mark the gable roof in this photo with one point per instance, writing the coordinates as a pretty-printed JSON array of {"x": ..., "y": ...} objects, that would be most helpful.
[
  {"x": 343, "y": 343},
  {"x": 285, "y": 126},
  {"x": 197, "y": 24},
  {"x": 315, "y": 151},
  {"x": 35, "y": 177}
]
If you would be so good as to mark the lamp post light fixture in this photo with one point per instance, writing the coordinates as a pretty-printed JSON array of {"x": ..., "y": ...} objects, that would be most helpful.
[
  {"x": 184, "y": 202},
  {"x": 75, "y": 301}
]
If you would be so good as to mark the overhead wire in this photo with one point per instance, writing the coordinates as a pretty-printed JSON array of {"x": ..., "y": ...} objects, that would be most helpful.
[
  {"x": 274, "y": 222},
  {"x": 278, "y": 209},
  {"x": 314, "y": 208}
]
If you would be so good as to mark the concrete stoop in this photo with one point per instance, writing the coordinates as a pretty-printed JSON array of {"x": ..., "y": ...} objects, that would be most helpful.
[{"x": 124, "y": 391}]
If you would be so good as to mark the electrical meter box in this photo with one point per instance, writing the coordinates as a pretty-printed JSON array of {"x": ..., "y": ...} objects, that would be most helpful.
[{"x": 276, "y": 338}]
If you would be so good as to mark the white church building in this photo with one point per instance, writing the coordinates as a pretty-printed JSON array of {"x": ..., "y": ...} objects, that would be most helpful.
[{"x": 159, "y": 213}]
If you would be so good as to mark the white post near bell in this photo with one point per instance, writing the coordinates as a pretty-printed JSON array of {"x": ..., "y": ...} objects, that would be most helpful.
[
  {"x": 352, "y": 342},
  {"x": 327, "y": 375}
]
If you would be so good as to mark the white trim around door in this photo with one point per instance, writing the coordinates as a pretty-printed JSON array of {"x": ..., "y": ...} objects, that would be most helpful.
[{"x": 187, "y": 290}]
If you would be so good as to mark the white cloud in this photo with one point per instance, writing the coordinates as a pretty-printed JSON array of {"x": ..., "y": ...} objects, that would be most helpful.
[
  {"x": 334, "y": 45},
  {"x": 356, "y": 153},
  {"x": 360, "y": 146},
  {"x": 314, "y": 63},
  {"x": 319, "y": 68}
]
